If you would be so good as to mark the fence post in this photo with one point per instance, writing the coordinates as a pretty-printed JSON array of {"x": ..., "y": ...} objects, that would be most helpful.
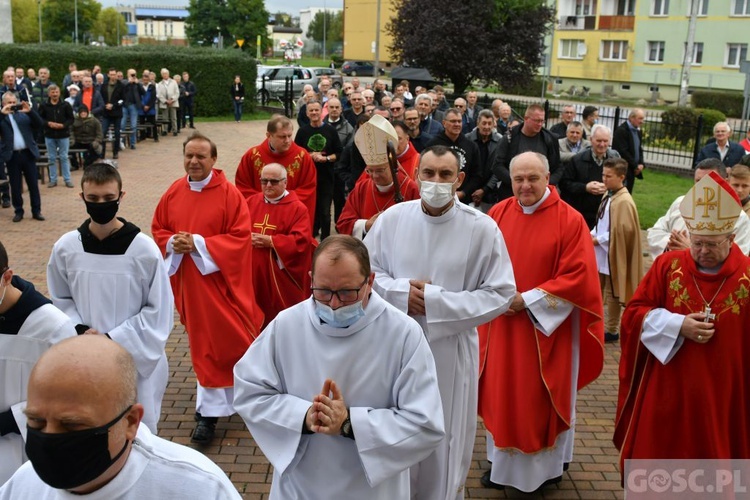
[
  {"x": 617, "y": 118},
  {"x": 546, "y": 112},
  {"x": 698, "y": 136},
  {"x": 288, "y": 97}
]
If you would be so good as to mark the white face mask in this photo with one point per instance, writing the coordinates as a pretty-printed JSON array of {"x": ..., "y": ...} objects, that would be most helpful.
[{"x": 436, "y": 194}]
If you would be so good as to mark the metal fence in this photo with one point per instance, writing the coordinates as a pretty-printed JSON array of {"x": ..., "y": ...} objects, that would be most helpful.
[{"x": 283, "y": 103}]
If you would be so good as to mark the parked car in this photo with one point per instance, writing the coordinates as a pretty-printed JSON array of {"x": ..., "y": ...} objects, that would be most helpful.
[
  {"x": 354, "y": 68},
  {"x": 272, "y": 79},
  {"x": 336, "y": 79}
]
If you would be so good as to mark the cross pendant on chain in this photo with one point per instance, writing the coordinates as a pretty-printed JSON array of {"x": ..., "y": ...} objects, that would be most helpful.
[{"x": 709, "y": 317}]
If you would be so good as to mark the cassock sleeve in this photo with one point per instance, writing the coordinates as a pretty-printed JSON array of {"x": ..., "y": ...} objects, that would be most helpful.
[
  {"x": 57, "y": 284},
  {"x": 450, "y": 313},
  {"x": 349, "y": 220},
  {"x": 390, "y": 440},
  {"x": 658, "y": 236},
  {"x": 145, "y": 334},
  {"x": 203, "y": 260},
  {"x": 243, "y": 178},
  {"x": 274, "y": 418},
  {"x": 661, "y": 334},
  {"x": 546, "y": 315},
  {"x": 293, "y": 248}
]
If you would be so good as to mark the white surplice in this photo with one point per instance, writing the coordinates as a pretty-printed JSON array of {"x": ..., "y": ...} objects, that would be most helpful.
[
  {"x": 45, "y": 326},
  {"x": 155, "y": 469},
  {"x": 126, "y": 296},
  {"x": 386, "y": 374},
  {"x": 658, "y": 236},
  {"x": 463, "y": 254}
]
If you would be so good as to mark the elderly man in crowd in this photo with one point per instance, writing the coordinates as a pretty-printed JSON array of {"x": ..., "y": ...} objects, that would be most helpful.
[
  {"x": 628, "y": 141},
  {"x": 573, "y": 142},
  {"x": 567, "y": 115},
  {"x": 327, "y": 424},
  {"x": 84, "y": 437},
  {"x": 730, "y": 153}
]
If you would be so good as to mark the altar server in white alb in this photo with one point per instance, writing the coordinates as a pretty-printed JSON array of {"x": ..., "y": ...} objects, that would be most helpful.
[
  {"x": 111, "y": 280},
  {"x": 86, "y": 440},
  {"x": 340, "y": 391},
  {"x": 29, "y": 324},
  {"x": 446, "y": 265}
]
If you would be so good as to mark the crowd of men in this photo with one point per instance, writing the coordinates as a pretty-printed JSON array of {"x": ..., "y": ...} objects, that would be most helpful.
[
  {"x": 360, "y": 361},
  {"x": 70, "y": 123}
]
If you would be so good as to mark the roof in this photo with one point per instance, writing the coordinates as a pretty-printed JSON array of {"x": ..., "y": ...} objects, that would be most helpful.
[
  {"x": 409, "y": 73},
  {"x": 284, "y": 29},
  {"x": 161, "y": 12}
]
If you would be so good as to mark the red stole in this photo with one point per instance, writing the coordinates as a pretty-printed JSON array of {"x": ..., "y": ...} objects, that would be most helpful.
[
  {"x": 698, "y": 404},
  {"x": 301, "y": 176},
  {"x": 525, "y": 376},
  {"x": 287, "y": 224},
  {"x": 218, "y": 310}
]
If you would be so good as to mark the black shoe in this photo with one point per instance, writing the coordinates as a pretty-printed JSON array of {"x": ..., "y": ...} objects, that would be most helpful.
[
  {"x": 204, "y": 430},
  {"x": 163, "y": 133},
  {"x": 487, "y": 482},
  {"x": 611, "y": 337},
  {"x": 191, "y": 126},
  {"x": 115, "y": 156},
  {"x": 549, "y": 482},
  {"x": 566, "y": 465},
  {"x": 38, "y": 217},
  {"x": 17, "y": 217},
  {"x": 6, "y": 203},
  {"x": 175, "y": 134}
]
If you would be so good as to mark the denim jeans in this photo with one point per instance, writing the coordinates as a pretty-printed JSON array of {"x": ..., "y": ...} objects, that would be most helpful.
[
  {"x": 237, "y": 110},
  {"x": 115, "y": 122},
  {"x": 58, "y": 148},
  {"x": 130, "y": 119}
]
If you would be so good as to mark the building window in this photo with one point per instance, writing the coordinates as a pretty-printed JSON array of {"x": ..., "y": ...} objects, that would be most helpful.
[
  {"x": 614, "y": 50},
  {"x": 702, "y": 8},
  {"x": 655, "y": 52},
  {"x": 149, "y": 25},
  {"x": 653, "y": 88},
  {"x": 169, "y": 27},
  {"x": 660, "y": 8},
  {"x": 741, "y": 8},
  {"x": 697, "y": 53},
  {"x": 571, "y": 49},
  {"x": 736, "y": 53},
  {"x": 625, "y": 86},
  {"x": 585, "y": 7},
  {"x": 625, "y": 7}
]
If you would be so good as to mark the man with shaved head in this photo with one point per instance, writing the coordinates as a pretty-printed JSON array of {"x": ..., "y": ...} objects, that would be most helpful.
[{"x": 84, "y": 435}]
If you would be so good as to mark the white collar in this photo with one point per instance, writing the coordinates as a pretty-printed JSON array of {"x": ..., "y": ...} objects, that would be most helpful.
[
  {"x": 531, "y": 209},
  {"x": 274, "y": 201},
  {"x": 199, "y": 185}
]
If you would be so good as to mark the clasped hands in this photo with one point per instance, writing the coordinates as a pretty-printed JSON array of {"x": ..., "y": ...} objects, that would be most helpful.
[
  {"x": 678, "y": 240},
  {"x": 183, "y": 243},
  {"x": 696, "y": 329},
  {"x": 516, "y": 306},
  {"x": 328, "y": 410}
]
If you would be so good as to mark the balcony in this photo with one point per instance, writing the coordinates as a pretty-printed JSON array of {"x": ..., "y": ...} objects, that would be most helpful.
[
  {"x": 617, "y": 23},
  {"x": 577, "y": 23}
]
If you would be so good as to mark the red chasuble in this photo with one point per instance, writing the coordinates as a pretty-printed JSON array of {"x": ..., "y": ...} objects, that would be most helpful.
[
  {"x": 300, "y": 173},
  {"x": 698, "y": 404},
  {"x": 280, "y": 274},
  {"x": 218, "y": 310},
  {"x": 525, "y": 376},
  {"x": 409, "y": 161},
  {"x": 365, "y": 200}
]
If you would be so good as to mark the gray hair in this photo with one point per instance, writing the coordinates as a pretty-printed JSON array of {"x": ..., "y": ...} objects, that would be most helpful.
[
  {"x": 596, "y": 128},
  {"x": 574, "y": 124},
  {"x": 729, "y": 128},
  {"x": 485, "y": 113},
  {"x": 422, "y": 97}
]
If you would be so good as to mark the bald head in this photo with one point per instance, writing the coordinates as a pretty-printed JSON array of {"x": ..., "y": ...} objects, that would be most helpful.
[{"x": 273, "y": 171}]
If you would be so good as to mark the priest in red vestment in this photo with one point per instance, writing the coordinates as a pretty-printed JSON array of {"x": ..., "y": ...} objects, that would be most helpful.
[
  {"x": 685, "y": 371},
  {"x": 279, "y": 147},
  {"x": 406, "y": 154},
  {"x": 535, "y": 357},
  {"x": 375, "y": 191},
  {"x": 282, "y": 244},
  {"x": 202, "y": 226}
]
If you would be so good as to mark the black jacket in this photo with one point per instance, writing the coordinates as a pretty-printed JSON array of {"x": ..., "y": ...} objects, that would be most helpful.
[
  {"x": 581, "y": 170},
  {"x": 622, "y": 142},
  {"x": 468, "y": 153},
  {"x": 113, "y": 95},
  {"x": 131, "y": 93},
  {"x": 61, "y": 112}
]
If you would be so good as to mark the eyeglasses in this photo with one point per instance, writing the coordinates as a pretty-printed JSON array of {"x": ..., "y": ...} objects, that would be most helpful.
[
  {"x": 376, "y": 171},
  {"x": 397, "y": 109},
  {"x": 345, "y": 295},
  {"x": 460, "y": 106},
  {"x": 708, "y": 245},
  {"x": 273, "y": 182}
]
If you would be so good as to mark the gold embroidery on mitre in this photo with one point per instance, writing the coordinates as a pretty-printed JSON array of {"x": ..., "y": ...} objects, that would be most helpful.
[{"x": 709, "y": 208}]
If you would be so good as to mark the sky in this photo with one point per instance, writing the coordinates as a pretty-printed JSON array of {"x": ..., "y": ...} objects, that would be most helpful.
[{"x": 291, "y": 6}]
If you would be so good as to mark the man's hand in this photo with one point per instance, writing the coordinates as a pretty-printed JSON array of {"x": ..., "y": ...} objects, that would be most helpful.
[
  {"x": 516, "y": 306},
  {"x": 461, "y": 195},
  {"x": 371, "y": 221},
  {"x": 695, "y": 329},
  {"x": 596, "y": 188},
  {"x": 594, "y": 241},
  {"x": 416, "y": 305},
  {"x": 92, "y": 331},
  {"x": 639, "y": 169},
  {"x": 261, "y": 240},
  {"x": 477, "y": 195},
  {"x": 328, "y": 410},
  {"x": 108, "y": 106},
  {"x": 678, "y": 240},
  {"x": 183, "y": 243}
]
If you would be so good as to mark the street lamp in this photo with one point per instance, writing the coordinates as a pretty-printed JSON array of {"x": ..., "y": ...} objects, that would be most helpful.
[
  {"x": 39, "y": 6},
  {"x": 325, "y": 28},
  {"x": 75, "y": 7}
]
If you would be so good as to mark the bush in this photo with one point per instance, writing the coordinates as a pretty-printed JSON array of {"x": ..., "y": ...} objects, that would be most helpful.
[
  {"x": 729, "y": 103},
  {"x": 710, "y": 118},
  {"x": 679, "y": 123},
  {"x": 533, "y": 88},
  {"x": 211, "y": 70}
]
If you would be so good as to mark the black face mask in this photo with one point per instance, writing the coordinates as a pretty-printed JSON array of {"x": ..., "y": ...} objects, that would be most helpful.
[
  {"x": 71, "y": 459},
  {"x": 102, "y": 213}
]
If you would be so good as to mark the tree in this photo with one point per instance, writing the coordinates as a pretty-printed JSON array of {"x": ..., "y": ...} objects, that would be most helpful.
[
  {"x": 283, "y": 19},
  {"x": 58, "y": 19},
  {"x": 233, "y": 19},
  {"x": 25, "y": 18},
  {"x": 498, "y": 40},
  {"x": 334, "y": 26},
  {"x": 109, "y": 25}
]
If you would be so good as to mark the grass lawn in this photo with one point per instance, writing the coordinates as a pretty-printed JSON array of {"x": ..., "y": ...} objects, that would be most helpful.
[
  {"x": 656, "y": 192},
  {"x": 246, "y": 116}
]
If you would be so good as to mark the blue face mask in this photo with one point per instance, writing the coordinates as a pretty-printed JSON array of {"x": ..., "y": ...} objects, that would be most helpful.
[{"x": 342, "y": 317}]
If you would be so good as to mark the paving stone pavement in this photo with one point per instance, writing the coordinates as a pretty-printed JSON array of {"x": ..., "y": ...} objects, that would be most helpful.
[{"x": 147, "y": 172}]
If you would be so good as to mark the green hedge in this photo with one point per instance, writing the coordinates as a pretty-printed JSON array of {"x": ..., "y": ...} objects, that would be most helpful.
[
  {"x": 680, "y": 123},
  {"x": 211, "y": 70},
  {"x": 729, "y": 103}
]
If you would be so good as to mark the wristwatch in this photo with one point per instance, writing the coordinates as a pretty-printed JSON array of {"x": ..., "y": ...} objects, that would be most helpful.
[{"x": 346, "y": 427}]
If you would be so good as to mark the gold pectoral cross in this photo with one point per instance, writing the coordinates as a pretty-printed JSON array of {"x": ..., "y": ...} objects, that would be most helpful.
[
  {"x": 709, "y": 317},
  {"x": 264, "y": 225}
]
